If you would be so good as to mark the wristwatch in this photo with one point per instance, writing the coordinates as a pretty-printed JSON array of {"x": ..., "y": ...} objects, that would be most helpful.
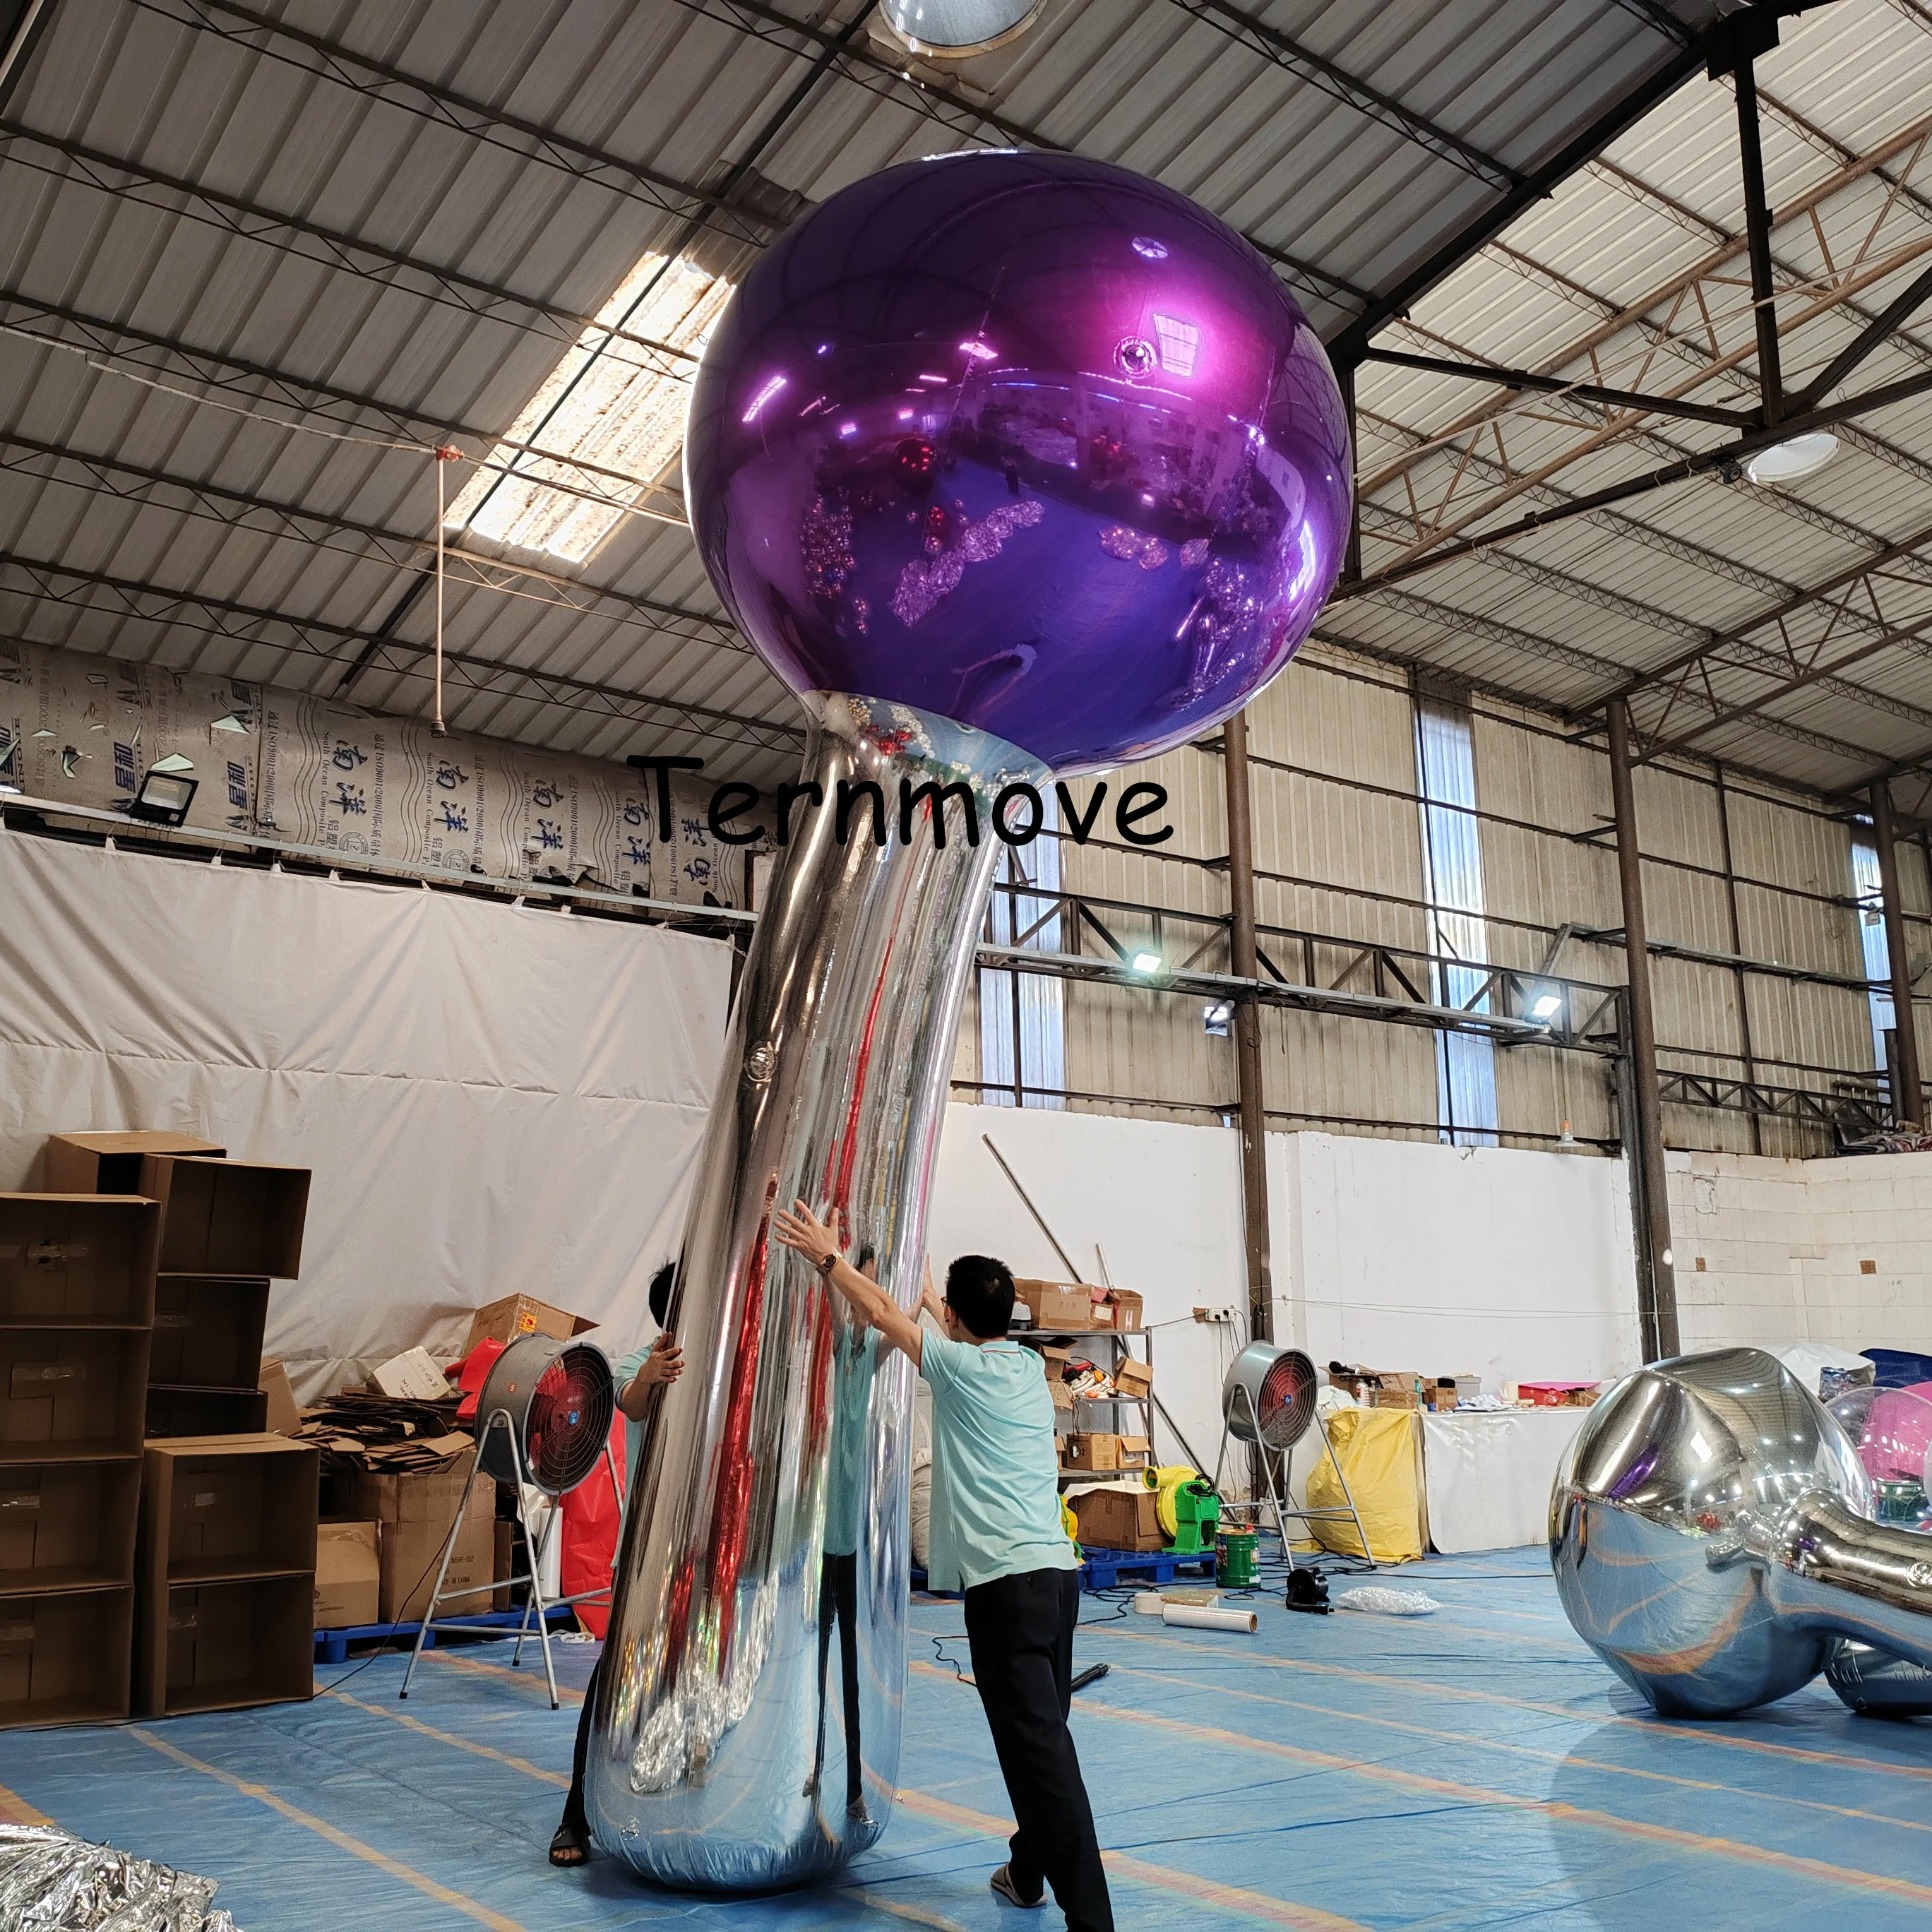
[{"x": 830, "y": 1262}]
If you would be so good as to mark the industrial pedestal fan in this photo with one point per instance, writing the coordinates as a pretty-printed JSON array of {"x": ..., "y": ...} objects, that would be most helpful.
[
  {"x": 543, "y": 1422},
  {"x": 1267, "y": 1401}
]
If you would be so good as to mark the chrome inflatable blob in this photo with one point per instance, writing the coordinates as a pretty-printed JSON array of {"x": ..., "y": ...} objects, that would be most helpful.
[
  {"x": 1711, "y": 1532},
  {"x": 1009, "y": 465}
]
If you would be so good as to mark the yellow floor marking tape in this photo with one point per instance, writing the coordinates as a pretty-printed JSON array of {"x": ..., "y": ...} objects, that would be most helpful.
[
  {"x": 1652, "y": 1727},
  {"x": 1436, "y": 1735},
  {"x": 1231, "y": 1898},
  {"x": 529, "y": 1680},
  {"x": 1478, "y": 1794},
  {"x": 14, "y": 1810},
  {"x": 523, "y": 1765},
  {"x": 429, "y": 1887}
]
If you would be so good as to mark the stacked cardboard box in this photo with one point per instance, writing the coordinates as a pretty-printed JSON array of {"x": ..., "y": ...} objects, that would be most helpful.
[
  {"x": 227, "y": 1227},
  {"x": 76, "y": 1302},
  {"x": 227, "y": 1573}
]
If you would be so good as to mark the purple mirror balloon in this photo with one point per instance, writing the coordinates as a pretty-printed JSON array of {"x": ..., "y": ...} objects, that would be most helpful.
[{"x": 1026, "y": 441}]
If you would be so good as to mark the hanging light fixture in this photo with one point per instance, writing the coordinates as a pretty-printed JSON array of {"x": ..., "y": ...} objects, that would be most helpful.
[{"x": 1792, "y": 460}]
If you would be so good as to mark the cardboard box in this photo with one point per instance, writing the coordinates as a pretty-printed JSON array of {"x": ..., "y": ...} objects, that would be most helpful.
[
  {"x": 1394, "y": 1398},
  {"x": 221, "y": 1646},
  {"x": 284, "y": 1415},
  {"x": 1135, "y": 1448},
  {"x": 1054, "y": 1361},
  {"x": 523, "y": 1315},
  {"x": 67, "y": 1526},
  {"x": 217, "y": 1508},
  {"x": 504, "y": 1564},
  {"x": 416, "y": 1510},
  {"x": 227, "y": 1216},
  {"x": 81, "y": 1260},
  {"x": 208, "y": 1330},
  {"x": 174, "y": 1411},
  {"x": 1133, "y": 1379},
  {"x": 1092, "y": 1449},
  {"x": 1121, "y": 1309},
  {"x": 71, "y": 1394},
  {"x": 348, "y": 1575},
  {"x": 1057, "y": 1306},
  {"x": 111, "y": 1163},
  {"x": 411, "y": 1376},
  {"x": 1120, "y": 1520},
  {"x": 63, "y": 1659}
]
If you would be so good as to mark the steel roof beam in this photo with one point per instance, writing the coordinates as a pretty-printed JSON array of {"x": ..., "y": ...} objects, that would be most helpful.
[
  {"x": 244, "y": 624},
  {"x": 365, "y": 74},
  {"x": 959, "y": 115},
  {"x": 132, "y": 482},
  {"x": 1557, "y": 386},
  {"x": 1279, "y": 50},
  {"x": 1619, "y": 118},
  {"x": 221, "y": 370},
  {"x": 233, "y": 215}
]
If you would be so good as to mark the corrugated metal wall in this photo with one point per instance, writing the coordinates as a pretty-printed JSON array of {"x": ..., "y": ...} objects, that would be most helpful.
[{"x": 1338, "y": 866}]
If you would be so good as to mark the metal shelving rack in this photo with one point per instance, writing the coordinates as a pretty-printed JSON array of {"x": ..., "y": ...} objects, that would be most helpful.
[{"x": 1121, "y": 1352}]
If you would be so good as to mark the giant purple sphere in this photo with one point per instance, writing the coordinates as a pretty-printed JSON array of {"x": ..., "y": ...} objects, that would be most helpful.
[{"x": 1026, "y": 440}]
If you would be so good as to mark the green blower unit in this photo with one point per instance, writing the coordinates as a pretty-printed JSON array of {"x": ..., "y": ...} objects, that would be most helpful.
[{"x": 1197, "y": 1514}]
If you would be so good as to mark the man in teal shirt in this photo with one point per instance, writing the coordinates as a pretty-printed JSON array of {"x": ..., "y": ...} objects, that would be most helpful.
[{"x": 997, "y": 1534}]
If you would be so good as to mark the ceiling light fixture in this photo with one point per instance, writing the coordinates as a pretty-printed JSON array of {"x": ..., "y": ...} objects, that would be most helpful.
[
  {"x": 1145, "y": 962},
  {"x": 958, "y": 29},
  {"x": 1794, "y": 459}
]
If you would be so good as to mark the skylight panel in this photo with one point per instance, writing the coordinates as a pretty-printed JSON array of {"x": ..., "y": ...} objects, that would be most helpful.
[{"x": 611, "y": 401}]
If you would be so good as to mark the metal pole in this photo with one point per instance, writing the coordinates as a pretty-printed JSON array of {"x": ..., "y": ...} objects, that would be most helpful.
[
  {"x": 1908, "y": 1096},
  {"x": 1247, "y": 1029},
  {"x": 1757, "y": 234},
  {"x": 1738, "y": 946},
  {"x": 1660, "y": 1314}
]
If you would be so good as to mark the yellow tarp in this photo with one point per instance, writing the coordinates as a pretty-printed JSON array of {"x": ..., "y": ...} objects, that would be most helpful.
[{"x": 1377, "y": 1448}]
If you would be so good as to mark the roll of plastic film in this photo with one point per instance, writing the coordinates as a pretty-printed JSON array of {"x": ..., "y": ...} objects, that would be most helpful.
[{"x": 1189, "y": 1616}]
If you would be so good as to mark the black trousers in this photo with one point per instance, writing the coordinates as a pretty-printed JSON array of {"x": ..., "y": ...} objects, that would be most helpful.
[
  {"x": 1021, "y": 1631},
  {"x": 839, "y": 1599},
  {"x": 573, "y": 1805}
]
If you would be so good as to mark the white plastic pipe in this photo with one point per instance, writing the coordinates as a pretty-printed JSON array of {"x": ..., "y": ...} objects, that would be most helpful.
[{"x": 1190, "y": 1616}]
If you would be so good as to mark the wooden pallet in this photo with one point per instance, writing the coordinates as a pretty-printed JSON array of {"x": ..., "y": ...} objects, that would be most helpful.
[{"x": 1106, "y": 1569}]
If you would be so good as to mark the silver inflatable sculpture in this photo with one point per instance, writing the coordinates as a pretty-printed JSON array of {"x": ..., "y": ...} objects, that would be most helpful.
[
  {"x": 992, "y": 534},
  {"x": 1711, "y": 1533}
]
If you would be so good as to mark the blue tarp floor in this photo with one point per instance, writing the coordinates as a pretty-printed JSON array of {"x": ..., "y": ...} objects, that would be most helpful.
[{"x": 1477, "y": 1768}]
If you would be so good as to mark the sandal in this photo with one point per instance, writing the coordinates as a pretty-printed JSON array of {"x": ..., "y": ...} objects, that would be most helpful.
[
  {"x": 570, "y": 1843},
  {"x": 1002, "y": 1881}
]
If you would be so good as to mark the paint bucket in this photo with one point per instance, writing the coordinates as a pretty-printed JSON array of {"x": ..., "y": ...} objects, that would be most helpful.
[{"x": 1235, "y": 1559}]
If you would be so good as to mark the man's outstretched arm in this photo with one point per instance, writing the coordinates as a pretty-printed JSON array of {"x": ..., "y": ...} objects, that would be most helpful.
[{"x": 802, "y": 1230}]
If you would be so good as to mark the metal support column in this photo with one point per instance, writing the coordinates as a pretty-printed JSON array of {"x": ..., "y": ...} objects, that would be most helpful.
[
  {"x": 1247, "y": 1029},
  {"x": 1351, "y": 557},
  {"x": 1742, "y": 979},
  {"x": 1656, "y": 1282},
  {"x": 1757, "y": 235},
  {"x": 1908, "y": 1096}
]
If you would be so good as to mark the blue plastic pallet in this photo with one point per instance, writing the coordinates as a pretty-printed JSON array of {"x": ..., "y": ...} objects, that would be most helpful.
[
  {"x": 331, "y": 1646},
  {"x": 1104, "y": 1569}
]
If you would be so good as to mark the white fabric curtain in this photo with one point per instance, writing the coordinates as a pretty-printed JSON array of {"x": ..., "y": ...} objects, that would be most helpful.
[{"x": 493, "y": 1098}]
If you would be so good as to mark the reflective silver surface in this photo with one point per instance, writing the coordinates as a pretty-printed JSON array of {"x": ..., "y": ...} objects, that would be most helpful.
[
  {"x": 1877, "y": 1683},
  {"x": 1708, "y": 1532},
  {"x": 49, "y": 1877},
  {"x": 787, "y": 1438}
]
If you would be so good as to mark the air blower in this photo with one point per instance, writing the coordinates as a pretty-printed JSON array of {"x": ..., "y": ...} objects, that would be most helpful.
[
  {"x": 1267, "y": 1403},
  {"x": 543, "y": 1421}
]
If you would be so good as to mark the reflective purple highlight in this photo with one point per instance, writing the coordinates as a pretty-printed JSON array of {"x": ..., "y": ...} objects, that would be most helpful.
[{"x": 1098, "y": 484}]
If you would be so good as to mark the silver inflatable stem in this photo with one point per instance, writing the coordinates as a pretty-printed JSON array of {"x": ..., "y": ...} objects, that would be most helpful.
[{"x": 746, "y": 1730}]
